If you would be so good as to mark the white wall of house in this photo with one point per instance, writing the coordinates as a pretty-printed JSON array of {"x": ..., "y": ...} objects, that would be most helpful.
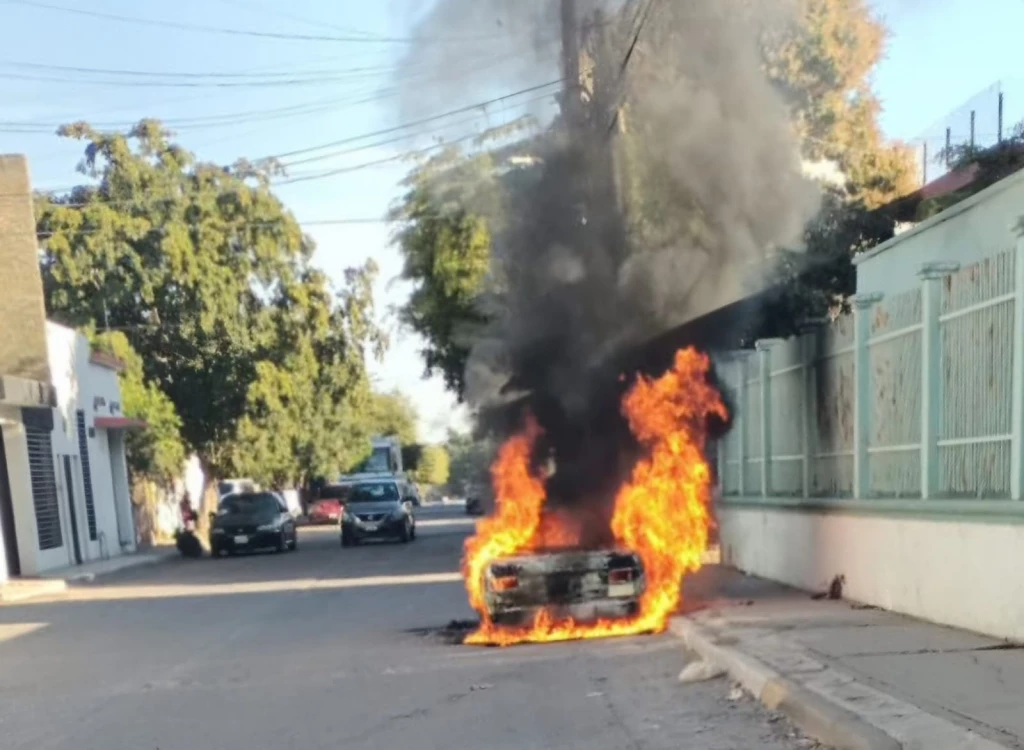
[
  {"x": 93, "y": 389},
  {"x": 888, "y": 446}
]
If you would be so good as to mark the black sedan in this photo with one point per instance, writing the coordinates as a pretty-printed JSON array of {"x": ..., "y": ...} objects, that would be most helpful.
[
  {"x": 377, "y": 510},
  {"x": 251, "y": 521}
]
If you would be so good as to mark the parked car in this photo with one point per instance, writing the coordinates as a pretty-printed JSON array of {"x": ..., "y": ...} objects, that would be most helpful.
[
  {"x": 327, "y": 507},
  {"x": 377, "y": 510},
  {"x": 251, "y": 521}
]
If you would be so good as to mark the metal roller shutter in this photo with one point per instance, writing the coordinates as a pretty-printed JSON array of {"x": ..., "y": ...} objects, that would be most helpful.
[
  {"x": 44, "y": 487},
  {"x": 83, "y": 449}
]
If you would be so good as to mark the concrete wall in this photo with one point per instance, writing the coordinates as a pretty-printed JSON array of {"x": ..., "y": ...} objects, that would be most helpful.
[
  {"x": 947, "y": 571},
  {"x": 888, "y": 446},
  {"x": 22, "y": 312}
]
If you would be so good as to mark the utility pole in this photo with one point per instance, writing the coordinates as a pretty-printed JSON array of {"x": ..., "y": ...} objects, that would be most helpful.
[{"x": 571, "y": 65}]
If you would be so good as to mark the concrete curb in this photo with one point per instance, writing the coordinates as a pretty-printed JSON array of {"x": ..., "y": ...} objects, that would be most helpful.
[{"x": 818, "y": 717}]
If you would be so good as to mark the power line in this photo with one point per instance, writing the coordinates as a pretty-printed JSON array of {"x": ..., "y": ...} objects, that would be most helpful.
[
  {"x": 202, "y": 28},
  {"x": 407, "y": 136},
  {"x": 415, "y": 123},
  {"x": 624, "y": 66},
  {"x": 270, "y": 75},
  {"x": 293, "y": 17}
]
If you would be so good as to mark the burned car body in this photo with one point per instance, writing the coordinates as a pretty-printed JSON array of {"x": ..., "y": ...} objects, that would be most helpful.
[{"x": 584, "y": 585}]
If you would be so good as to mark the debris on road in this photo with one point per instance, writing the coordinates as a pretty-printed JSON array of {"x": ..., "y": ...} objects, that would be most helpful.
[{"x": 700, "y": 671}]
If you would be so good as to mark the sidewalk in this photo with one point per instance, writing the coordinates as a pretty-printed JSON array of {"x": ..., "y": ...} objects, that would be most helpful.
[
  {"x": 55, "y": 581},
  {"x": 856, "y": 677}
]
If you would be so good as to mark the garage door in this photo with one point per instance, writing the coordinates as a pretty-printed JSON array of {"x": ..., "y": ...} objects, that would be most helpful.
[{"x": 44, "y": 487}]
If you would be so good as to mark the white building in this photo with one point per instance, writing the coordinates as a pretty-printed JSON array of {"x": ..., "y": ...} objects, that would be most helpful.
[
  {"x": 65, "y": 466},
  {"x": 888, "y": 447}
]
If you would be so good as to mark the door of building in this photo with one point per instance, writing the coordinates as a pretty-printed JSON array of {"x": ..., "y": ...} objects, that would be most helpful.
[{"x": 7, "y": 516}]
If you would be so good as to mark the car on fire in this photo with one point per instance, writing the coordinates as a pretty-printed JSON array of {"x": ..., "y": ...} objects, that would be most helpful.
[
  {"x": 585, "y": 585},
  {"x": 380, "y": 509}
]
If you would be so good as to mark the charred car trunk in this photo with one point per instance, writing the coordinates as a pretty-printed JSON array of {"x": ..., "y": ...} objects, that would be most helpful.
[{"x": 583, "y": 585}]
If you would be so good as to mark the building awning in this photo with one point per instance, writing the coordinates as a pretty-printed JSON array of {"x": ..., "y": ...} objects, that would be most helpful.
[{"x": 119, "y": 423}]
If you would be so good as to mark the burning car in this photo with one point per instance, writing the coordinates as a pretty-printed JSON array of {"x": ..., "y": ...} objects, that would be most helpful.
[
  {"x": 532, "y": 575},
  {"x": 582, "y": 585}
]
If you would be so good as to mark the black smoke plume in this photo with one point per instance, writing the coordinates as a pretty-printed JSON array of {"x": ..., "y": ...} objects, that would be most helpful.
[{"x": 637, "y": 219}]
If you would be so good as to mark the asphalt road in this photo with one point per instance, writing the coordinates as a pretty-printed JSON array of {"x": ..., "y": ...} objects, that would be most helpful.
[{"x": 330, "y": 648}]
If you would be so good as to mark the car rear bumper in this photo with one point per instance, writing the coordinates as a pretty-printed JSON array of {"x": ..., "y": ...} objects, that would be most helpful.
[
  {"x": 253, "y": 541},
  {"x": 565, "y": 584},
  {"x": 387, "y": 530}
]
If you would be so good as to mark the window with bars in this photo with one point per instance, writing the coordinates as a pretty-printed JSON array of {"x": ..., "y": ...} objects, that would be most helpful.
[
  {"x": 83, "y": 449},
  {"x": 44, "y": 487}
]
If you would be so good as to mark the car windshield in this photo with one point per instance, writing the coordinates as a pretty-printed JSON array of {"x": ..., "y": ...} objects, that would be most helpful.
[
  {"x": 382, "y": 492},
  {"x": 262, "y": 503}
]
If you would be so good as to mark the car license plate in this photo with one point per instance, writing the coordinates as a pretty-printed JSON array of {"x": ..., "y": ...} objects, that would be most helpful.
[
  {"x": 371, "y": 526},
  {"x": 241, "y": 539},
  {"x": 621, "y": 589}
]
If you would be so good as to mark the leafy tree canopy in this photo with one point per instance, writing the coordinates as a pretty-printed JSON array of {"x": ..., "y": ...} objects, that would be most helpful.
[
  {"x": 434, "y": 466},
  {"x": 393, "y": 414},
  {"x": 210, "y": 278}
]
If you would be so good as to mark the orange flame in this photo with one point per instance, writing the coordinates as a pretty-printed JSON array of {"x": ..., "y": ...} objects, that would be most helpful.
[{"x": 661, "y": 513}]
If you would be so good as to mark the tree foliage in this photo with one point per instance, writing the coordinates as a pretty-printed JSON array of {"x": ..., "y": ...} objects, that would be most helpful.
[
  {"x": 393, "y": 413},
  {"x": 434, "y": 466},
  {"x": 470, "y": 461},
  {"x": 210, "y": 278},
  {"x": 823, "y": 66}
]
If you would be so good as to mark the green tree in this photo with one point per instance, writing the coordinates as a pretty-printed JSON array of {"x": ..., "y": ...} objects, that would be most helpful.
[
  {"x": 393, "y": 414},
  {"x": 157, "y": 452},
  {"x": 823, "y": 66},
  {"x": 434, "y": 466},
  {"x": 211, "y": 278},
  {"x": 470, "y": 461},
  {"x": 308, "y": 410}
]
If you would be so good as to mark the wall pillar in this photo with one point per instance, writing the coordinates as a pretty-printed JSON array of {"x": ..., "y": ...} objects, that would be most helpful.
[
  {"x": 809, "y": 405},
  {"x": 1017, "y": 442},
  {"x": 862, "y": 304},
  {"x": 931, "y": 275},
  {"x": 740, "y": 423},
  {"x": 764, "y": 353}
]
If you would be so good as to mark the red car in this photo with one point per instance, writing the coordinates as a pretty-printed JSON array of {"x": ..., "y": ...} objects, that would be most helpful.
[{"x": 325, "y": 511}]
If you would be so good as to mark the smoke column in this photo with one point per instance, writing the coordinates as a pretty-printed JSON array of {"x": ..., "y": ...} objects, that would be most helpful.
[{"x": 709, "y": 179}]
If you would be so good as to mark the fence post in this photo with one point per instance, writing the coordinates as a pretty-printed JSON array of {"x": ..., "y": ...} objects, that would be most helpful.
[
  {"x": 862, "y": 391},
  {"x": 740, "y": 423},
  {"x": 764, "y": 353},
  {"x": 931, "y": 275},
  {"x": 1017, "y": 444},
  {"x": 809, "y": 410}
]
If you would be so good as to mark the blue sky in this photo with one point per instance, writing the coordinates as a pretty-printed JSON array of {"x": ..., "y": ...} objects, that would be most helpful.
[{"x": 941, "y": 53}]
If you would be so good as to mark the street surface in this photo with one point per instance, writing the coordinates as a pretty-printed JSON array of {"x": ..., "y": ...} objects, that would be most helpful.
[{"x": 332, "y": 648}]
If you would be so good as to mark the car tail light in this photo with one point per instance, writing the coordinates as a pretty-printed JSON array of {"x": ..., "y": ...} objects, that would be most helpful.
[
  {"x": 505, "y": 583},
  {"x": 621, "y": 575}
]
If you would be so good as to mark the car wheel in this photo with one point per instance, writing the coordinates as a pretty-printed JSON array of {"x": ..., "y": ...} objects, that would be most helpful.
[
  {"x": 406, "y": 535},
  {"x": 215, "y": 551},
  {"x": 282, "y": 543},
  {"x": 346, "y": 540},
  {"x": 294, "y": 544},
  {"x": 412, "y": 532}
]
